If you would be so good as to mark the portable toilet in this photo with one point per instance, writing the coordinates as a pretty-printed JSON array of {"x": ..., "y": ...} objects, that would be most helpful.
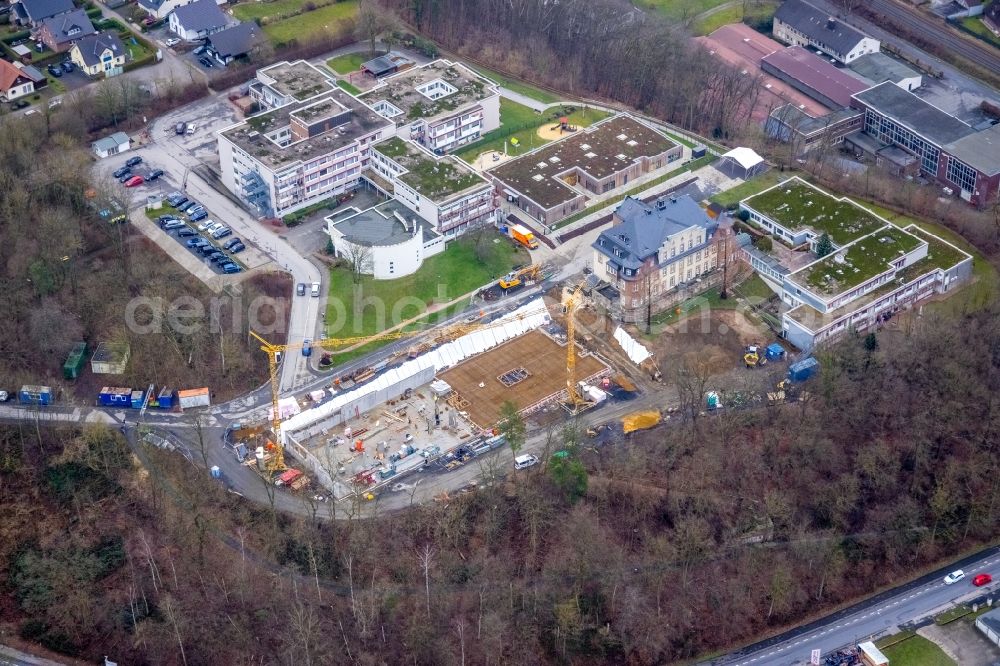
[{"x": 712, "y": 400}]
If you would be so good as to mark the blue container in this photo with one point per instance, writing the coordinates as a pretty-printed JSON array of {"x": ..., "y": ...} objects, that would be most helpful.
[
  {"x": 803, "y": 370},
  {"x": 115, "y": 397},
  {"x": 216, "y": 472},
  {"x": 136, "y": 400},
  {"x": 166, "y": 398},
  {"x": 774, "y": 350},
  {"x": 35, "y": 395}
]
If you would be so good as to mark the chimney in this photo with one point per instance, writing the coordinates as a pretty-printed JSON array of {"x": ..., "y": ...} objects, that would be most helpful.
[
  {"x": 661, "y": 203},
  {"x": 673, "y": 198}
]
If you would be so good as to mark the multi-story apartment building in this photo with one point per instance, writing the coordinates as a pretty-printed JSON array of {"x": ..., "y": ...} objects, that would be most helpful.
[
  {"x": 312, "y": 141},
  {"x": 802, "y": 24},
  {"x": 875, "y": 269},
  {"x": 651, "y": 250},
  {"x": 441, "y": 105},
  {"x": 442, "y": 190}
]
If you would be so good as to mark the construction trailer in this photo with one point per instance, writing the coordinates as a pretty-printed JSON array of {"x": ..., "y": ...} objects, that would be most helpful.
[
  {"x": 31, "y": 394},
  {"x": 189, "y": 398}
]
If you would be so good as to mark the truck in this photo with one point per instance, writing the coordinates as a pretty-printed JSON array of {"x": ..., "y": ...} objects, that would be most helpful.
[
  {"x": 522, "y": 235},
  {"x": 35, "y": 395}
]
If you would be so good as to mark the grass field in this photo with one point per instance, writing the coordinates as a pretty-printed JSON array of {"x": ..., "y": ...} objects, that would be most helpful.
[
  {"x": 311, "y": 24},
  {"x": 347, "y": 63},
  {"x": 757, "y": 184},
  {"x": 974, "y": 25},
  {"x": 441, "y": 278},
  {"x": 917, "y": 651},
  {"x": 513, "y": 114},
  {"x": 680, "y": 10},
  {"x": 521, "y": 88},
  {"x": 349, "y": 87},
  {"x": 731, "y": 14}
]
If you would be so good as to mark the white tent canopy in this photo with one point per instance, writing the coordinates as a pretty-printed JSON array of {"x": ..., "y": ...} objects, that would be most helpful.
[
  {"x": 518, "y": 322},
  {"x": 746, "y": 159},
  {"x": 636, "y": 352}
]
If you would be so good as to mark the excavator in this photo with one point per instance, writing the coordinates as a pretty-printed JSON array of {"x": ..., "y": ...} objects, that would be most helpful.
[{"x": 519, "y": 277}]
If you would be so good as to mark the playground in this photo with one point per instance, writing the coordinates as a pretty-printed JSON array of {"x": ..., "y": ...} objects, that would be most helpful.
[
  {"x": 557, "y": 130},
  {"x": 490, "y": 159}
]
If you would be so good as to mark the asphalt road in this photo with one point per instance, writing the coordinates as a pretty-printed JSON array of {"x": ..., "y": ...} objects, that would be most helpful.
[{"x": 881, "y": 615}]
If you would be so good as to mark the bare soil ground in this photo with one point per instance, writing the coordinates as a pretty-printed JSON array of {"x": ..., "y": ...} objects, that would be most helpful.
[
  {"x": 542, "y": 357},
  {"x": 717, "y": 340}
]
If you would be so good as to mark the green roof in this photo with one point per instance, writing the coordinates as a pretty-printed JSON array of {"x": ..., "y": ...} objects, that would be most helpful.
[
  {"x": 858, "y": 263},
  {"x": 939, "y": 253},
  {"x": 435, "y": 178},
  {"x": 794, "y": 204}
]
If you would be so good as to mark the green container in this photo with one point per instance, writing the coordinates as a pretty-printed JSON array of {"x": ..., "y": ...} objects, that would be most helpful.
[{"x": 75, "y": 360}]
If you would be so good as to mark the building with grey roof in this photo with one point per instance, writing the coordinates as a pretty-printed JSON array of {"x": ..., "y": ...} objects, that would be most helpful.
[
  {"x": 556, "y": 180},
  {"x": 312, "y": 143},
  {"x": 33, "y": 12},
  {"x": 387, "y": 241},
  {"x": 197, "y": 20},
  {"x": 791, "y": 124},
  {"x": 876, "y": 68},
  {"x": 989, "y": 624},
  {"x": 800, "y": 23},
  {"x": 963, "y": 160},
  {"x": 652, "y": 250},
  {"x": 58, "y": 32},
  {"x": 234, "y": 42}
]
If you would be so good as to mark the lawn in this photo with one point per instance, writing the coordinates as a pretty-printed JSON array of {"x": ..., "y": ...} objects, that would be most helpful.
[
  {"x": 680, "y": 10},
  {"x": 248, "y": 11},
  {"x": 974, "y": 25},
  {"x": 442, "y": 278},
  {"x": 311, "y": 24},
  {"x": 917, "y": 651},
  {"x": 732, "y": 14},
  {"x": 347, "y": 63},
  {"x": 759, "y": 183},
  {"x": 525, "y": 89},
  {"x": 527, "y": 122},
  {"x": 354, "y": 90}
]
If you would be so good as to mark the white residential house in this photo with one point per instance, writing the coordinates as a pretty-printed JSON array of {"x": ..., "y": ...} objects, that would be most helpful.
[
  {"x": 160, "y": 9},
  {"x": 799, "y": 23},
  {"x": 13, "y": 82},
  {"x": 197, "y": 20},
  {"x": 111, "y": 145}
]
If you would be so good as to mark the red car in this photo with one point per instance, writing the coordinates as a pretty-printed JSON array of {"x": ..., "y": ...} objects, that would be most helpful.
[
  {"x": 982, "y": 579},
  {"x": 134, "y": 181}
]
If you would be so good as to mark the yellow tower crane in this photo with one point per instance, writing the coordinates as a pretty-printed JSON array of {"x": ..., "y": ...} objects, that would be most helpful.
[{"x": 570, "y": 303}]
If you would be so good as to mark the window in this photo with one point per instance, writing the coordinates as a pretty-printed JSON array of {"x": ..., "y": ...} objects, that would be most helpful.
[{"x": 962, "y": 175}]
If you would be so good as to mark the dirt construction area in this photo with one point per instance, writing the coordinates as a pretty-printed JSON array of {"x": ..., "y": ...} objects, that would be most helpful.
[
  {"x": 715, "y": 340},
  {"x": 527, "y": 371}
]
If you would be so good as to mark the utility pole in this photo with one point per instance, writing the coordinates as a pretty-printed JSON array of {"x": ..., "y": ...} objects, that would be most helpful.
[{"x": 725, "y": 266}]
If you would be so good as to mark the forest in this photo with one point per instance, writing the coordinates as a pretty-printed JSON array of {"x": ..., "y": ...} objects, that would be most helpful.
[
  {"x": 68, "y": 275},
  {"x": 680, "y": 541}
]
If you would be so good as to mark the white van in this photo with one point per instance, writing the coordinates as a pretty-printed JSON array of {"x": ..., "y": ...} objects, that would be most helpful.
[
  {"x": 315, "y": 289},
  {"x": 527, "y": 460}
]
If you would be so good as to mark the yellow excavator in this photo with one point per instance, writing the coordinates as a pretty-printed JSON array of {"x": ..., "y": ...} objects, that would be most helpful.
[{"x": 518, "y": 277}]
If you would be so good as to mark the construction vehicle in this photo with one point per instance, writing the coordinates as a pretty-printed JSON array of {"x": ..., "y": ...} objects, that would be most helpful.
[
  {"x": 520, "y": 234},
  {"x": 517, "y": 278},
  {"x": 753, "y": 357},
  {"x": 640, "y": 420}
]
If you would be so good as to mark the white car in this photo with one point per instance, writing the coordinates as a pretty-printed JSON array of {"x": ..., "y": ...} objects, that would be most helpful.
[
  {"x": 173, "y": 41},
  {"x": 4, "y": 396},
  {"x": 205, "y": 224},
  {"x": 527, "y": 460},
  {"x": 954, "y": 577}
]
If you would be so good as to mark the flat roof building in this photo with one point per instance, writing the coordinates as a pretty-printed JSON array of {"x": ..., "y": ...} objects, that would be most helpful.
[
  {"x": 943, "y": 147},
  {"x": 387, "y": 241},
  {"x": 876, "y": 68},
  {"x": 312, "y": 144},
  {"x": 556, "y": 180},
  {"x": 441, "y": 105},
  {"x": 798, "y": 22},
  {"x": 449, "y": 194},
  {"x": 793, "y": 125},
  {"x": 814, "y": 76}
]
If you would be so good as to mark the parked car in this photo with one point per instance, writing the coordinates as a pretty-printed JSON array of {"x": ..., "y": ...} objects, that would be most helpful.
[
  {"x": 174, "y": 224},
  {"x": 133, "y": 161},
  {"x": 221, "y": 258},
  {"x": 201, "y": 49},
  {"x": 215, "y": 227},
  {"x": 134, "y": 181},
  {"x": 315, "y": 290},
  {"x": 208, "y": 249},
  {"x": 954, "y": 577},
  {"x": 206, "y": 62},
  {"x": 188, "y": 206},
  {"x": 982, "y": 579},
  {"x": 230, "y": 268},
  {"x": 126, "y": 176},
  {"x": 186, "y": 232},
  {"x": 222, "y": 233},
  {"x": 148, "y": 21},
  {"x": 178, "y": 201},
  {"x": 236, "y": 249},
  {"x": 526, "y": 460},
  {"x": 55, "y": 70},
  {"x": 200, "y": 215},
  {"x": 68, "y": 66},
  {"x": 153, "y": 175},
  {"x": 205, "y": 224},
  {"x": 231, "y": 242},
  {"x": 301, "y": 289},
  {"x": 163, "y": 219},
  {"x": 195, "y": 243},
  {"x": 121, "y": 171},
  {"x": 307, "y": 347},
  {"x": 215, "y": 256},
  {"x": 172, "y": 41}
]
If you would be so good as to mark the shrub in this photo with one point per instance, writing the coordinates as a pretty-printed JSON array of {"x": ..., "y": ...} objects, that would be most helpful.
[{"x": 765, "y": 244}]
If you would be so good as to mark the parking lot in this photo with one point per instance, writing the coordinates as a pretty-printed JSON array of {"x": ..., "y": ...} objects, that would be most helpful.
[{"x": 197, "y": 233}]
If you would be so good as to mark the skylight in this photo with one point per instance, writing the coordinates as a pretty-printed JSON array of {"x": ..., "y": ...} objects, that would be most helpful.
[{"x": 436, "y": 89}]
